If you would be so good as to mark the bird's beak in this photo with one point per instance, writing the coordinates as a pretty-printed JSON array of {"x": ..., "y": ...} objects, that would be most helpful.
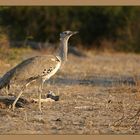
[{"x": 75, "y": 32}]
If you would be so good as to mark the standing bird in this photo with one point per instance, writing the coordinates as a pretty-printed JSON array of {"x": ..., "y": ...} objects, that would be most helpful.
[{"x": 38, "y": 68}]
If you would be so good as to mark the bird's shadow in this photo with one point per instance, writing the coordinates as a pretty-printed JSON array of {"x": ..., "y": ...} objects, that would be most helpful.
[{"x": 104, "y": 81}]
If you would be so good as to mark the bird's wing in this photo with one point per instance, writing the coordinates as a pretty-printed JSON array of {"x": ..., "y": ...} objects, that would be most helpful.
[
  {"x": 31, "y": 69},
  {"x": 35, "y": 67}
]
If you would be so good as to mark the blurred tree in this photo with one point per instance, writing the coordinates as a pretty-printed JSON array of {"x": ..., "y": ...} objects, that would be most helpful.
[{"x": 118, "y": 24}]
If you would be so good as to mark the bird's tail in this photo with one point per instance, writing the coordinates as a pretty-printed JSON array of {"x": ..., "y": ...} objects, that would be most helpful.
[{"x": 4, "y": 81}]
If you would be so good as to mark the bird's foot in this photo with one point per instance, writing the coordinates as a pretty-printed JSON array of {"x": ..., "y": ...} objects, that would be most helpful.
[
  {"x": 40, "y": 109},
  {"x": 13, "y": 107}
]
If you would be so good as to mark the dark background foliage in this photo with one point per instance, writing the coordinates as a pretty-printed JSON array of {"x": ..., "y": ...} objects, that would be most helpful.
[{"x": 119, "y": 25}]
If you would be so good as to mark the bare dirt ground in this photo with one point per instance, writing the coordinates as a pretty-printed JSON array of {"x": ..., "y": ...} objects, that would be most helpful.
[{"x": 99, "y": 94}]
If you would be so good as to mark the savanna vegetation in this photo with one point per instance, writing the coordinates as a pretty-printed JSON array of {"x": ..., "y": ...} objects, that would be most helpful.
[{"x": 100, "y": 27}]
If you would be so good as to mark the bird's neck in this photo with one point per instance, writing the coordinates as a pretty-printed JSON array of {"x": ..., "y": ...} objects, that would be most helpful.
[{"x": 63, "y": 51}]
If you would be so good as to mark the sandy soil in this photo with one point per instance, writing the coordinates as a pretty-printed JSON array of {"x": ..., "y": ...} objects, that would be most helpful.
[{"x": 99, "y": 94}]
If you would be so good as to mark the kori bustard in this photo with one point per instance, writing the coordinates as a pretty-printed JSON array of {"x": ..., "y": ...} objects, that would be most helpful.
[{"x": 38, "y": 68}]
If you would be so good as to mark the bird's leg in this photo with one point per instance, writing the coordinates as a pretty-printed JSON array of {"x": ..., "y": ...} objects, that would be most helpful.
[
  {"x": 40, "y": 91},
  {"x": 21, "y": 91},
  {"x": 14, "y": 103}
]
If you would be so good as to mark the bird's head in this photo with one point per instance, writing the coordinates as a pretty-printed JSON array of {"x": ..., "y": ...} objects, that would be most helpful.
[{"x": 67, "y": 34}]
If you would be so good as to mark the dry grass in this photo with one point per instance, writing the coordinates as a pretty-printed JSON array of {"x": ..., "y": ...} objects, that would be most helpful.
[{"x": 99, "y": 94}]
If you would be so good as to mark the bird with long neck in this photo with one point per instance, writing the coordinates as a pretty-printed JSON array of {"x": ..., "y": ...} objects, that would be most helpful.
[
  {"x": 63, "y": 51},
  {"x": 38, "y": 68}
]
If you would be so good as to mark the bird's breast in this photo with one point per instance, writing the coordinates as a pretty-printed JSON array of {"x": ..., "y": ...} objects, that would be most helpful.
[{"x": 51, "y": 71}]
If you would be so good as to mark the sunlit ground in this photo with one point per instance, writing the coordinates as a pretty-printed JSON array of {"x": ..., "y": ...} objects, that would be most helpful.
[{"x": 99, "y": 94}]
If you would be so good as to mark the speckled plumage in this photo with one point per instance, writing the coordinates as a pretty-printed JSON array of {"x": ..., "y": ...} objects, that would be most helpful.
[{"x": 30, "y": 69}]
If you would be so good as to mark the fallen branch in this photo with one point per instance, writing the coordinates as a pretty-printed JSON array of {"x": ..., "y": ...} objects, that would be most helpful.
[{"x": 7, "y": 101}]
